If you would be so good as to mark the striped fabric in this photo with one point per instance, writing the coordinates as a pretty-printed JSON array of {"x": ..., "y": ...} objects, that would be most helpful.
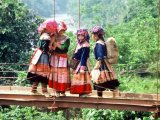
[
  {"x": 81, "y": 83},
  {"x": 59, "y": 78},
  {"x": 39, "y": 72}
]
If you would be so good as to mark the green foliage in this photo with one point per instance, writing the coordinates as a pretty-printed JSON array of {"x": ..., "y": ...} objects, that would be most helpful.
[
  {"x": 21, "y": 80},
  {"x": 98, "y": 12},
  {"x": 28, "y": 113},
  {"x": 93, "y": 114},
  {"x": 137, "y": 40},
  {"x": 133, "y": 24},
  {"x": 17, "y": 30}
]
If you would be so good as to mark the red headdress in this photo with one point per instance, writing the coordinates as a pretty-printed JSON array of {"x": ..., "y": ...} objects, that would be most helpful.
[
  {"x": 49, "y": 26},
  {"x": 62, "y": 26}
]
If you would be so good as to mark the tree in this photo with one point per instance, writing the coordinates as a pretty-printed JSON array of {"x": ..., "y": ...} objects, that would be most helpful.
[{"x": 18, "y": 28}]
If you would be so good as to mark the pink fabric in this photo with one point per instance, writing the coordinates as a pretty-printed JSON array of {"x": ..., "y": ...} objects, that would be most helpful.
[
  {"x": 83, "y": 67},
  {"x": 59, "y": 79},
  {"x": 98, "y": 30},
  {"x": 58, "y": 61},
  {"x": 50, "y": 25},
  {"x": 62, "y": 26}
]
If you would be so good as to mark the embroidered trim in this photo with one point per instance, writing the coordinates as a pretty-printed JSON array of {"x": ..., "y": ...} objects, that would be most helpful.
[{"x": 101, "y": 42}]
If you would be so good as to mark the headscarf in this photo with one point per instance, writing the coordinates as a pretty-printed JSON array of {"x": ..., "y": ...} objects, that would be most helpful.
[
  {"x": 50, "y": 26},
  {"x": 62, "y": 26},
  {"x": 83, "y": 32},
  {"x": 97, "y": 30}
]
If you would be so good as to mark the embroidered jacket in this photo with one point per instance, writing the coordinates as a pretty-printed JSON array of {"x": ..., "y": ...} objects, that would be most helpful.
[
  {"x": 100, "y": 52},
  {"x": 82, "y": 54},
  {"x": 44, "y": 42},
  {"x": 64, "y": 47}
]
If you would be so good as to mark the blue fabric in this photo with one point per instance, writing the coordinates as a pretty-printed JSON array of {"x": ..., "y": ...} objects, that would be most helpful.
[
  {"x": 100, "y": 53},
  {"x": 82, "y": 55}
]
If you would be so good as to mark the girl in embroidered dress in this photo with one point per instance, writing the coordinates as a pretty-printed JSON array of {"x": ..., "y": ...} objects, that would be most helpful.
[
  {"x": 59, "y": 78},
  {"x": 81, "y": 82},
  {"x": 106, "y": 78},
  {"x": 39, "y": 68}
]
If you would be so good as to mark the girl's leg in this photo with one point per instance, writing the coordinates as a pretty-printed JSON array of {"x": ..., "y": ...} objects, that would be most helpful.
[
  {"x": 44, "y": 87},
  {"x": 44, "y": 90},
  {"x": 99, "y": 93},
  {"x": 57, "y": 94},
  {"x": 34, "y": 87},
  {"x": 63, "y": 93}
]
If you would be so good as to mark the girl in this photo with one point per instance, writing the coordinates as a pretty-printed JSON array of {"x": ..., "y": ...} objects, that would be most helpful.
[
  {"x": 59, "y": 79},
  {"x": 39, "y": 68},
  {"x": 107, "y": 78},
  {"x": 81, "y": 83}
]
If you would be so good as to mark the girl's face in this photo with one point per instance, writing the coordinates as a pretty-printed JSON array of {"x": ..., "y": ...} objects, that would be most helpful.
[
  {"x": 95, "y": 37},
  {"x": 61, "y": 32},
  {"x": 81, "y": 38},
  {"x": 53, "y": 36}
]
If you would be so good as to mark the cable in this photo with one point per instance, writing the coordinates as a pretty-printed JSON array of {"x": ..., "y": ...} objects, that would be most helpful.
[
  {"x": 79, "y": 14},
  {"x": 54, "y": 11}
]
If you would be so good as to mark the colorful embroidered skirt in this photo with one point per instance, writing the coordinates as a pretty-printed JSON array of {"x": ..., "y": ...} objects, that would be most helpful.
[
  {"x": 40, "y": 71},
  {"x": 107, "y": 80},
  {"x": 81, "y": 83},
  {"x": 60, "y": 74}
]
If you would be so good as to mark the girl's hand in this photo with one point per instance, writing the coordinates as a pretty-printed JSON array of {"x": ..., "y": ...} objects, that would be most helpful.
[
  {"x": 82, "y": 71},
  {"x": 56, "y": 44},
  {"x": 97, "y": 66}
]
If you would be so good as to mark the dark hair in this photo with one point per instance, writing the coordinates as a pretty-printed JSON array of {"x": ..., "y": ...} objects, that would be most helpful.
[{"x": 100, "y": 36}]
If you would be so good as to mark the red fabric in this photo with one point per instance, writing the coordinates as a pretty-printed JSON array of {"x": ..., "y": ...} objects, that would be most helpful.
[
  {"x": 59, "y": 86},
  {"x": 80, "y": 89},
  {"x": 62, "y": 26},
  {"x": 50, "y": 25}
]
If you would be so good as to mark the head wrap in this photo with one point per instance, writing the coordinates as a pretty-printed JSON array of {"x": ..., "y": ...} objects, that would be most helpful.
[
  {"x": 62, "y": 26},
  {"x": 97, "y": 30},
  {"x": 50, "y": 26},
  {"x": 83, "y": 32}
]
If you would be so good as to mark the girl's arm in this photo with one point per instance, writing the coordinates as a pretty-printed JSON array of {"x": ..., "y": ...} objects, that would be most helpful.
[
  {"x": 64, "y": 46},
  {"x": 52, "y": 43},
  {"x": 99, "y": 55},
  {"x": 84, "y": 57}
]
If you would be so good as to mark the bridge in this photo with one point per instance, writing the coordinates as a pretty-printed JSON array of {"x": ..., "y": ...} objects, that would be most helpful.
[{"x": 18, "y": 95}]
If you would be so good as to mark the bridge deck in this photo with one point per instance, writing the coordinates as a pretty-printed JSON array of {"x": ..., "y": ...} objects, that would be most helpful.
[{"x": 16, "y": 95}]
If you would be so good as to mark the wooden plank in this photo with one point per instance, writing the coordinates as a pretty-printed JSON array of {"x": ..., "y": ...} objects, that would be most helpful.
[
  {"x": 23, "y": 90},
  {"x": 14, "y": 95}
]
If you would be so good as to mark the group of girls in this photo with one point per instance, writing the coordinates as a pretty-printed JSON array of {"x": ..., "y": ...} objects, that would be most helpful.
[{"x": 49, "y": 65}]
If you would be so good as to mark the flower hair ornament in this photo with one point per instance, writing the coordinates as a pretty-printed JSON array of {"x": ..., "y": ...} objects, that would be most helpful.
[
  {"x": 83, "y": 32},
  {"x": 97, "y": 30}
]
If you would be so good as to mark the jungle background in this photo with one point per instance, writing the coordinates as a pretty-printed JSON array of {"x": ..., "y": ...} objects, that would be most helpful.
[{"x": 134, "y": 24}]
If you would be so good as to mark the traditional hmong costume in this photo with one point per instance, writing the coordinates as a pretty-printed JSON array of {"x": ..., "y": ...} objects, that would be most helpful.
[
  {"x": 81, "y": 82},
  {"x": 59, "y": 77},
  {"x": 60, "y": 73},
  {"x": 39, "y": 68},
  {"x": 107, "y": 77}
]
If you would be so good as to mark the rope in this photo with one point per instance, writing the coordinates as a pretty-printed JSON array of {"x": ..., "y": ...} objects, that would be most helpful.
[
  {"x": 79, "y": 14},
  {"x": 158, "y": 46},
  {"x": 54, "y": 9}
]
